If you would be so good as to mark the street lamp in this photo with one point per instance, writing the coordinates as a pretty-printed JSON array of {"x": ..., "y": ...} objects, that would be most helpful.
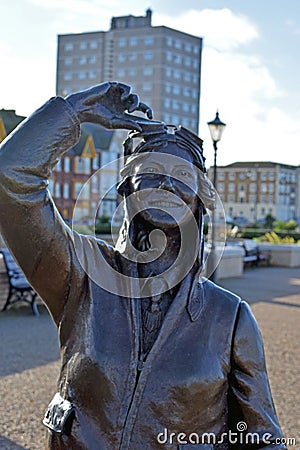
[{"x": 216, "y": 128}]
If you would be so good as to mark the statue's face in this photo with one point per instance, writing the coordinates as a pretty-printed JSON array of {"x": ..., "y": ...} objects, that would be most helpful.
[{"x": 164, "y": 184}]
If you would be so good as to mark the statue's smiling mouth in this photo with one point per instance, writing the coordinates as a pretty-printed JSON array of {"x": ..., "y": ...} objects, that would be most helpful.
[{"x": 165, "y": 204}]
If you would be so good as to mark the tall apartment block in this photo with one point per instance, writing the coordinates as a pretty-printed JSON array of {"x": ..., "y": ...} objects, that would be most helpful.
[{"x": 161, "y": 64}]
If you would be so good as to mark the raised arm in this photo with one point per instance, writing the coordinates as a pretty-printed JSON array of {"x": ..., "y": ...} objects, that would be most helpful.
[{"x": 29, "y": 222}]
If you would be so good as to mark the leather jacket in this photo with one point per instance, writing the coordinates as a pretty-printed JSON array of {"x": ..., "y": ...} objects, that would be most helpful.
[{"x": 205, "y": 374}]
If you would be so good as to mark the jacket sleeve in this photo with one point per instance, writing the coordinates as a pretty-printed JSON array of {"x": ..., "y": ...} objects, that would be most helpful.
[
  {"x": 251, "y": 408},
  {"x": 29, "y": 221}
]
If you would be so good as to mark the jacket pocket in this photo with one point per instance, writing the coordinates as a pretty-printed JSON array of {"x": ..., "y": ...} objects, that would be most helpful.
[{"x": 59, "y": 415}]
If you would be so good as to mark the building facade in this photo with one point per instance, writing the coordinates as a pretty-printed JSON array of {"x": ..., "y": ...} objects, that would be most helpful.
[
  {"x": 251, "y": 190},
  {"x": 83, "y": 182},
  {"x": 161, "y": 64}
]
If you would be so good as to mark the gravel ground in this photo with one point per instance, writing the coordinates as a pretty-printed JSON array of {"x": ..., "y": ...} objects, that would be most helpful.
[{"x": 29, "y": 356}]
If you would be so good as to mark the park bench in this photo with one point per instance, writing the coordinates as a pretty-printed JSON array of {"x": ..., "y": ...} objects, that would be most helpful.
[
  {"x": 253, "y": 256},
  {"x": 19, "y": 288}
]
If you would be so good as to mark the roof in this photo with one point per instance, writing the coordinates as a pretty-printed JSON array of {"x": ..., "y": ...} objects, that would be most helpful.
[
  {"x": 9, "y": 120},
  {"x": 258, "y": 164},
  {"x": 94, "y": 137}
]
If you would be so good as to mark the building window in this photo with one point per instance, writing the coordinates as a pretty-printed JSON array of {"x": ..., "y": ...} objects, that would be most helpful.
[
  {"x": 242, "y": 176},
  {"x": 263, "y": 176},
  {"x": 68, "y": 76},
  {"x": 169, "y": 41},
  {"x": 177, "y": 44},
  {"x": 147, "y": 71},
  {"x": 69, "y": 47},
  {"x": 82, "y": 75},
  {"x": 66, "y": 191},
  {"x": 121, "y": 73},
  {"x": 169, "y": 56},
  {"x": 187, "y": 61},
  {"x": 148, "y": 56},
  {"x": 58, "y": 166},
  {"x": 67, "y": 164},
  {"x": 93, "y": 74},
  {"x": 186, "y": 107},
  {"x": 252, "y": 187},
  {"x": 93, "y": 45},
  {"x": 82, "y": 60},
  {"x": 95, "y": 163},
  {"x": 167, "y": 102},
  {"x": 231, "y": 187},
  {"x": 271, "y": 187},
  {"x": 177, "y": 74},
  {"x": 51, "y": 186},
  {"x": 187, "y": 77},
  {"x": 95, "y": 184},
  {"x": 122, "y": 42},
  {"x": 188, "y": 47},
  {"x": 176, "y": 90},
  {"x": 147, "y": 87},
  {"x": 122, "y": 57},
  {"x": 176, "y": 105},
  {"x": 263, "y": 187},
  {"x": 77, "y": 188},
  {"x": 193, "y": 124},
  {"x": 132, "y": 57},
  {"x": 133, "y": 41},
  {"x": 132, "y": 72},
  {"x": 68, "y": 61},
  {"x": 242, "y": 187},
  {"x": 252, "y": 198},
  {"x": 148, "y": 40},
  {"x": 177, "y": 59},
  {"x": 57, "y": 190},
  {"x": 221, "y": 187},
  {"x": 168, "y": 72},
  {"x": 82, "y": 45},
  {"x": 231, "y": 176},
  {"x": 92, "y": 59},
  {"x": 82, "y": 165},
  {"x": 231, "y": 198},
  {"x": 221, "y": 176}
]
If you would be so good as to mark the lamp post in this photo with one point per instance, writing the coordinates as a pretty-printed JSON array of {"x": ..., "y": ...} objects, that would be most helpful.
[{"x": 216, "y": 128}]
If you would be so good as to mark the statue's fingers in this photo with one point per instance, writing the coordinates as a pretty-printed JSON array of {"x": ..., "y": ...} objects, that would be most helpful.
[
  {"x": 146, "y": 110},
  {"x": 120, "y": 122},
  {"x": 124, "y": 91},
  {"x": 132, "y": 103}
]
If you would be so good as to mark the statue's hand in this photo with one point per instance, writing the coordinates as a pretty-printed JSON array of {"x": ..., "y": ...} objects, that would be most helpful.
[{"x": 106, "y": 103}]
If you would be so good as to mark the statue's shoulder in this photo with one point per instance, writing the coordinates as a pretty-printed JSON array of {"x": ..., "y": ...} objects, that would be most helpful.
[{"x": 219, "y": 298}]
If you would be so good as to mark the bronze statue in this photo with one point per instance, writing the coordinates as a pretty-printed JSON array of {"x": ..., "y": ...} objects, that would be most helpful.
[{"x": 152, "y": 356}]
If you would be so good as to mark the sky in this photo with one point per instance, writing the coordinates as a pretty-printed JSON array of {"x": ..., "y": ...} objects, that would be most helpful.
[{"x": 250, "y": 63}]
